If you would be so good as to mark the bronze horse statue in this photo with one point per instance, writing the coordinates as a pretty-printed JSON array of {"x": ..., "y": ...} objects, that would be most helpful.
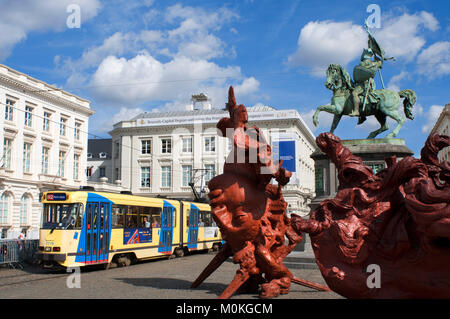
[{"x": 381, "y": 103}]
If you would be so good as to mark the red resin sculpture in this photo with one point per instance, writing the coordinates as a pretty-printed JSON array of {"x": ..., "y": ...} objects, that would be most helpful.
[
  {"x": 251, "y": 212},
  {"x": 398, "y": 220}
]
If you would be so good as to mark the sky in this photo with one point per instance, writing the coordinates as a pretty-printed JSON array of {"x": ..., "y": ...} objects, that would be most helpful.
[{"x": 127, "y": 57}]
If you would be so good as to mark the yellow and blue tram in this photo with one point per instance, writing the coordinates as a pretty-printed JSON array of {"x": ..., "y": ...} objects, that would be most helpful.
[{"x": 82, "y": 228}]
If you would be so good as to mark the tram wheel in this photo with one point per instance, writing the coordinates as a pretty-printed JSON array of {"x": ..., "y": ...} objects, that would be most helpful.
[
  {"x": 124, "y": 261},
  {"x": 179, "y": 252}
]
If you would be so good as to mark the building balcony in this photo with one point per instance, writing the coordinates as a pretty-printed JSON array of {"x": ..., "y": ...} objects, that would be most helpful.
[{"x": 49, "y": 180}]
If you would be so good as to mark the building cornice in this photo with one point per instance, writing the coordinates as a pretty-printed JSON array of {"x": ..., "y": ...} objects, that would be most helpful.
[{"x": 16, "y": 81}]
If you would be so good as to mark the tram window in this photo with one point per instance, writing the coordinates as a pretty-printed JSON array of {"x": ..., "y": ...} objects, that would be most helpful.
[
  {"x": 131, "y": 217},
  {"x": 106, "y": 215},
  {"x": 89, "y": 216},
  {"x": 145, "y": 217},
  {"x": 155, "y": 213},
  {"x": 118, "y": 216},
  {"x": 205, "y": 218},
  {"x": 79, "y": 219},
  {"x": 102, "y": 215},
  {"x": 95, "y": 212},
  {"x": 188, "y": 214},
  {"x": 62, "y": 216}
]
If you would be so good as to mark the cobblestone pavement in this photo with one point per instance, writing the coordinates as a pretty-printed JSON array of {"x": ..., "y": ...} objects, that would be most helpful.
[{"x": 156, "y": 279}]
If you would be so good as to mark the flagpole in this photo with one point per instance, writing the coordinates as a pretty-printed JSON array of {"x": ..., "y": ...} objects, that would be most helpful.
[{"x": 381, "y": 78}]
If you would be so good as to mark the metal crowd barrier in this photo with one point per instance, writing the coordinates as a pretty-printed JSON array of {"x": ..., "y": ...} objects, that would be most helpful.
[{"x": 14, "y": 252}]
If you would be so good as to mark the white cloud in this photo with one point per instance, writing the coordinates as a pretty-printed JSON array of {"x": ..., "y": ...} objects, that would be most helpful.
[
  {"x": 321, "y": 43},
  {"x": 19, "y": 18},
  {"x": 434, "y": 61},
  {"x": 124, "y": 114},
  {"x": 248, "y": 86},
  {"x": 432, "y": 116},
  {"x": 429, "y": 21},
  {"x": 207, "y": 47},
  {"x": 117, "y": 44},
  {"x": 400, "y": 36},
  {"x": 324, "y": 42},
  {"x": 166, "y": 65},
  {"x": 193, "y": 37},
  {"x": 394, "y": 82},
  {"x": 143, "y": 78}
]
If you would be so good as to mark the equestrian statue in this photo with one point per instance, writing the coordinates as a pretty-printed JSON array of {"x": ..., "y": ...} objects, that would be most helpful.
[{"x": 359, "y": 97}]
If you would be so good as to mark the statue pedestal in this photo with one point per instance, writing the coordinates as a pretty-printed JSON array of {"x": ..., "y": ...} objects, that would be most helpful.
[{"x": 373, "y": 153}]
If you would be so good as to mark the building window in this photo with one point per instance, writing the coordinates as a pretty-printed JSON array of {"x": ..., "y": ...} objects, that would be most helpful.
[
  {"x": 210, "y": 172},
  {"x": 76, "y": 131},
  {"x": 101, "y": 172},
  {"x": 187, "y": 175},
  {"x": 76, "y": 166},
  {"x": 117, "y": 173},
  {"x": 6, "y": 163},
  {"x": 9, "y": 109},
  {"x": 46, "y": 122},
  {"x": 89, "y": 171},
  {"x": 26, "y": 157},
  {"x": 24, "y": 210},
  {"x": 166, "y": 145},
  {"x": 145, "y": 176},
  {"x": 44, "y": 166},
  {"x": 187, "y": 144},
  {"x": 28, "y": 116},
  {"x": 146, "y": 147},
  {"x": 166, "y": 176},
  {"x": 4, "y": 202},
  {"x": 62, "y": 156},
  {"x": 210, "y": 144},
  {"x": 62, "y": 126}
]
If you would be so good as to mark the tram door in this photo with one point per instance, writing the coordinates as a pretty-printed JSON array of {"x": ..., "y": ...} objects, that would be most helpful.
[
  {"x": 97, "y": 232},
  {"x": 165, "y": 237},
  {"x": 193, "y": 228}
]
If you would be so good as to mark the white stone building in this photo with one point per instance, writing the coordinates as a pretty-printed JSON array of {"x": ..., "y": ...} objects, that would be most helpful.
[
  {"x": 99, "y": 171},
  {"x": 43, "y": 145},
  {"x": 159, "y": 153},
  {"x": 442, "y": 127}
]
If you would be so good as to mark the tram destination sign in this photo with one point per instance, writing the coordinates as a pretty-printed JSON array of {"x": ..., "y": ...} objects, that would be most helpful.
[{"x": 57, "y": 196}]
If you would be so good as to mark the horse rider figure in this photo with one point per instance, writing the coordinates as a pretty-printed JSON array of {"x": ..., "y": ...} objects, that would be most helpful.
[{"x": 364, "y": 84}]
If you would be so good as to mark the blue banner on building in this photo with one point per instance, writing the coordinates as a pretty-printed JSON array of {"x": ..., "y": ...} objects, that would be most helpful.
[{"x": 286, "y": 152}]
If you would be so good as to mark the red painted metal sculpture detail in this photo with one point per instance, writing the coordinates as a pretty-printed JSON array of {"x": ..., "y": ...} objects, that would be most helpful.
[
  {"x": 251, "y": 212},
  {"x": 398, "y": 220}
]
